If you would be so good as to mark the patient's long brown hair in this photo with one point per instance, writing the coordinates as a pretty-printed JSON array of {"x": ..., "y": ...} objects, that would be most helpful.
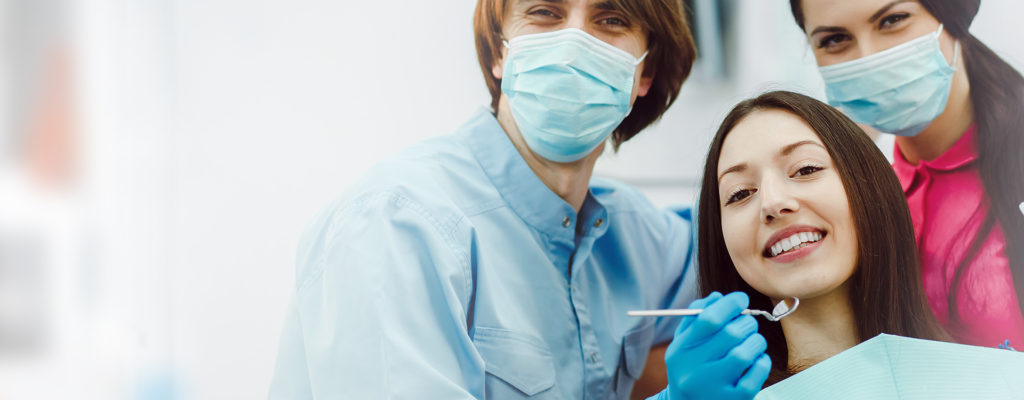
[{"x": 886, "y": 290}]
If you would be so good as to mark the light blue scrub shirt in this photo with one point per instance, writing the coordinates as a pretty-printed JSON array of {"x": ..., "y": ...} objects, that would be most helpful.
[{"x": 452, "y": 272}]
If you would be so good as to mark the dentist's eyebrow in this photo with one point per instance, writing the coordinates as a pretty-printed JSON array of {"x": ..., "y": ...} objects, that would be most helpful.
[
  {"x": 792, "y": 146},
  {"x": 606, "y": 5},
  {"x": 522, "y": 2},
  {"x": 735, "y": 168}
]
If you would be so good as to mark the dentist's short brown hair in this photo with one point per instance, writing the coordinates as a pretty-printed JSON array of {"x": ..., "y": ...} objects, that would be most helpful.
[{"x": 670, "y": 57}]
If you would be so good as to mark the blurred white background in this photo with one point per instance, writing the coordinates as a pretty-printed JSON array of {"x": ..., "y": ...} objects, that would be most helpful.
[{"x": 159, "y": 159}]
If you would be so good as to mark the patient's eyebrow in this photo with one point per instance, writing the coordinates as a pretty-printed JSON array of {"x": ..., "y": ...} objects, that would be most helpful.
[
  {"x": 735, "y": 168},
  {"x": 792, "y": 146}
]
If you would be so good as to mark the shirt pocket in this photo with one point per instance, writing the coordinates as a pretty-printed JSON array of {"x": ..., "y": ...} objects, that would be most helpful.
[
  {"x": 519, "y": 366},
  {"x": 636, "y": 344}
]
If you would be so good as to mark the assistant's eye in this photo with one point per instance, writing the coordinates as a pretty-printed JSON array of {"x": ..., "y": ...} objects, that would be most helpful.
[
  {"x": 833, "y": 42},
  {"x": 810, "y": 169},
  {"x": 739, "y": 195},
  {"x": 892, "y": 20}
]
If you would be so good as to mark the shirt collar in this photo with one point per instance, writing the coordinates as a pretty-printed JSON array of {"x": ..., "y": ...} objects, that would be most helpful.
[
  {"x": 524, "y": 192},
  {"x": 963, "y": 152}
]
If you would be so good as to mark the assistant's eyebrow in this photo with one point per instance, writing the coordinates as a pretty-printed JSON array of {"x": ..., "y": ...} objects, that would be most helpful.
[
  {"x": 878, "y": 14},
  {"x": 828, "y": 29},
  {"x": 874, "y": 17},
  {"x": 792, "y": 146},
  {"x": 735, "y": 168}
]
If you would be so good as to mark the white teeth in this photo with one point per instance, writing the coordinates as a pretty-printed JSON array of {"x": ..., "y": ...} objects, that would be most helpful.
[{"x": 796, "y": 240}]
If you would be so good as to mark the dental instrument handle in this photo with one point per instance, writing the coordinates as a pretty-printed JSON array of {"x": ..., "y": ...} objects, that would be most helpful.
[{"x": 676, "y": 312}]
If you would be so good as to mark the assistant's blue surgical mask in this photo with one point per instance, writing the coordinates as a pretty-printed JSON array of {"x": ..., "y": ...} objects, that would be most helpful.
[
  {"x": 567, "y": 90},
  {"x": 900, "y": 90}
]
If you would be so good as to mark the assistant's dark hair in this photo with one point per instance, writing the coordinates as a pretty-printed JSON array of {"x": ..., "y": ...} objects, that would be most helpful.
[
  {"x": 886, "y": 291},
  {"x": 997, "y": 98}
]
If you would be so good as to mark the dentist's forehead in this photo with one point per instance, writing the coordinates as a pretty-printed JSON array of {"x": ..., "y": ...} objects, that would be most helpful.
[{"x": 601, "y": 4}]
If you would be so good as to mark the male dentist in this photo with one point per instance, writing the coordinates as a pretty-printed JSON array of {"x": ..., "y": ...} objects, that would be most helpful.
[{"x": 488, "y": 264}]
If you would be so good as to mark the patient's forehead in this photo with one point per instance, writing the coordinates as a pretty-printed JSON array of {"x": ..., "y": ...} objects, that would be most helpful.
[{"x": 762, "y": 134}]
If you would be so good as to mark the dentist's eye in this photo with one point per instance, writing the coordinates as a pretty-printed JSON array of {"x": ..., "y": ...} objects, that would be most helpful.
[
  {"x": 542, "y": 13},
  {"x": 810, "y": 169},
  {"x": 739, "y": 195},
  {"x": 615, "y": 21}
]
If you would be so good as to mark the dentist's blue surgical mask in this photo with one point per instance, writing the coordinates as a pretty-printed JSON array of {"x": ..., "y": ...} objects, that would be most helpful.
[
  {"x": 567, "y": 90},
  {"x": 900, "y": 90}
]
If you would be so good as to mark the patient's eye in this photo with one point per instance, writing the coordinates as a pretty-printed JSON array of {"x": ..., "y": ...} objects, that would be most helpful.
[
  {"x": 739, "y": 195},
  {"x": 808, "y": 170}
]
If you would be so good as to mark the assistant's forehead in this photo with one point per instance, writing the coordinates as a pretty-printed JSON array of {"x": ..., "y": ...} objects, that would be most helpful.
[{"x": 761, "y": 135}]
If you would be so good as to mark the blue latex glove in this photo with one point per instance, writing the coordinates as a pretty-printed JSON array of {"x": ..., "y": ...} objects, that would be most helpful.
[{"x": 717, "y": 354}]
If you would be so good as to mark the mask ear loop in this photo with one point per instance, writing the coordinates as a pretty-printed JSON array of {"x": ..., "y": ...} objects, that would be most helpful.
[
  {"x": 641, "y": 59},
  {"x": 956, "y": 48},
  {"x": 956, "y": 54}
]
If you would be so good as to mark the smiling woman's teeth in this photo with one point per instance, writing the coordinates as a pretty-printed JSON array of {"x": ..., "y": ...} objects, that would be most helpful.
[{"x": 796, "y": 241}]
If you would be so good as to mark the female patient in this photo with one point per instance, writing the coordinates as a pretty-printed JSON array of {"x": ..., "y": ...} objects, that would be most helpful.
[{"x": 796, "y": 201}]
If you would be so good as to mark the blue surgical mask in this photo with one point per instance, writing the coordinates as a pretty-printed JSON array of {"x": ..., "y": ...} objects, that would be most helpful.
[
  {"x": 900, "y": 90},
  {"x": 567, "y": 90}
]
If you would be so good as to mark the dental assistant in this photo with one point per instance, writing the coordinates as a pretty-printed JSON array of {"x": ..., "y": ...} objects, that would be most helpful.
[
  {"x": 488, "y": 264},
  {"x": 912, "y": 68}
]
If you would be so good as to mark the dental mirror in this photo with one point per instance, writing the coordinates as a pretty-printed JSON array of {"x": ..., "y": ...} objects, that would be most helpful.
[{"x": 781, "y": 311}]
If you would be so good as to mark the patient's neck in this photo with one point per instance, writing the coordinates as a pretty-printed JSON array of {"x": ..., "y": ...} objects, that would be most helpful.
[{"x": 820, "y": 328}]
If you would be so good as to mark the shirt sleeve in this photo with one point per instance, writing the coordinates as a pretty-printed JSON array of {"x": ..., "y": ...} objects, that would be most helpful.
[
  {"x": 379, "y": 310},
  {"x": 681, "y": 248}
]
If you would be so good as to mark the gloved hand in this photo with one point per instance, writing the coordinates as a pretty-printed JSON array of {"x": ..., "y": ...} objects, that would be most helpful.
[{"x": 717, "y": 354}]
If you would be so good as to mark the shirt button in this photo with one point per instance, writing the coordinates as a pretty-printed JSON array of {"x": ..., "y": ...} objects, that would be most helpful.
[
  {"x": 566, "y": 221},
  {"x": 593, "y": 357},
  {"x": 597, "y": 224}
]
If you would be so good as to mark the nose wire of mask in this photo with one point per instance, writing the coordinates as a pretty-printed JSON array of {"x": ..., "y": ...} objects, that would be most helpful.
[
  {"x": 567, "y": 91},
  {"x": 900, "y": 90}
]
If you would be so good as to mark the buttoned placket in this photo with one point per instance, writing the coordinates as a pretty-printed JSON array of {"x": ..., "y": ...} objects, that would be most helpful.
[
  {"x": 921, "y": 182},
  {"x": 596, "y": 377}
]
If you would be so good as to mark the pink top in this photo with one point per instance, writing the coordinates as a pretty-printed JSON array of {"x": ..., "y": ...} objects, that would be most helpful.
[{"x": 948, "y": 205}]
